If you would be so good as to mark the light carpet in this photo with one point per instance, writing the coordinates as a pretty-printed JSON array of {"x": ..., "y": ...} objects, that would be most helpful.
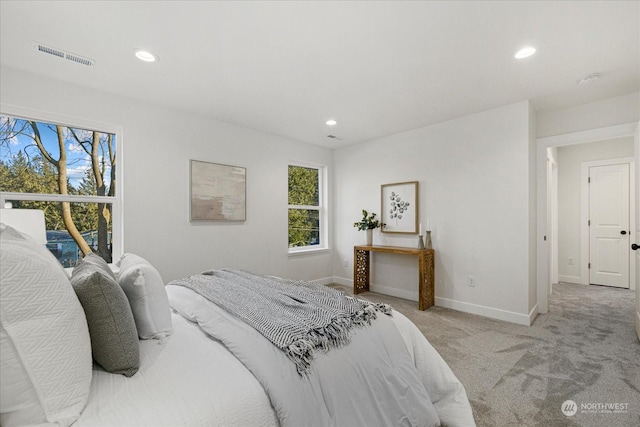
[{"x": 584, "y": 350}]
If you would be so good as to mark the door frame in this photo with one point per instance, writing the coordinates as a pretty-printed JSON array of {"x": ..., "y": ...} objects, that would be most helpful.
[
  {"x": 584, "y": 216},
  {"x": 542, "y": 144},
  {"x": 636, "y": 215},
  {"x": 552, "y": 218}
]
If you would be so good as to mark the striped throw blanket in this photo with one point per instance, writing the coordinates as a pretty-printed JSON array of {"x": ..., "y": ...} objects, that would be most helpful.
[{"x": 297, "y": 317}]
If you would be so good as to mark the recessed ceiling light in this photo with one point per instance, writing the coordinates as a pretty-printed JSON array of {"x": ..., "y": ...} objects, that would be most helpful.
[
  {"x": 331, "y": 122},
  {"x": 525, "y": 52},
  {"x": 145, "y": 55}
]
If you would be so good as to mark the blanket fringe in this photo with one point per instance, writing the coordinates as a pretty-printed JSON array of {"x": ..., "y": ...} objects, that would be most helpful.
[
  {"x": 336, "y": 334},
  {"x": 318, "y": 318}
]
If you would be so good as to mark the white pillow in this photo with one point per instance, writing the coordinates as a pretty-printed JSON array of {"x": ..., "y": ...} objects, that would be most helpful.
[
  {"x": 147, "y": 296},
  {"x": 45, "y": 349}
]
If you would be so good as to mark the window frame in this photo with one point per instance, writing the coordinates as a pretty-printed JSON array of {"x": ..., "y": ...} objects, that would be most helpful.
[
  {"x": 117, "y": 207},
  {"x": 321, "y": 208}
]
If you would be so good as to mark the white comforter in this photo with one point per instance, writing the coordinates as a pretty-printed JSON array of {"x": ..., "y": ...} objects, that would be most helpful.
[
  {"x": 189, "y": 380},
  {"x": 192, "y": 380}
]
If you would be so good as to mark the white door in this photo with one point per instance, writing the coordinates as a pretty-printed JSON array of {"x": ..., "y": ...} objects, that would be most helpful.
[
  {"x": 609, "y": 232},
  {"x": 636, "y": 241}
]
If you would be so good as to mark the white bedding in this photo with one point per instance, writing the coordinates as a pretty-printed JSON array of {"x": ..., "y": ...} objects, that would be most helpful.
[
  {"x": 192, "y": 380},
  {"x": 189, "y": 380}
]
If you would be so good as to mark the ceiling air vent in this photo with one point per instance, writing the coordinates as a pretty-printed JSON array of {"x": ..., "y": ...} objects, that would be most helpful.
[{"x": 62, "y": 54}]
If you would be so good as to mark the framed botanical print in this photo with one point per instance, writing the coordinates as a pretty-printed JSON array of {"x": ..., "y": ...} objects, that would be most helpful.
[{"x": 400, "y": 207}]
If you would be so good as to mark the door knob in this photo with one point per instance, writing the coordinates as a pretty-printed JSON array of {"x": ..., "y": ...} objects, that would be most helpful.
[
  {"x": 623, "y": 232},
  {"x": 635, "y": 247}
]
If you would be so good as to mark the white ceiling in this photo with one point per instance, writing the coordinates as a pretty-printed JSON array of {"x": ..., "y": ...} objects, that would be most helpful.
[{"x": 378, "y": 68}]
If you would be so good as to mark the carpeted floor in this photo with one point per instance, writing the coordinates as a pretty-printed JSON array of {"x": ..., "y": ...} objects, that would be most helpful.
[{"x": 584, "y": 350}]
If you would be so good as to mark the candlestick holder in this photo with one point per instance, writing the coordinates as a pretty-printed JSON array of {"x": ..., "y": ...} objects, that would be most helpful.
[
  {"x": 428, "y": 243},
  {"x": 420, "y": 242}
]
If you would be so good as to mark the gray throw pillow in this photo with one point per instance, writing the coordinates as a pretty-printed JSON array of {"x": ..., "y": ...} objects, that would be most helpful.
[
  {"x": 114, "y": 338},
  {"x": 94, "y": 262}
]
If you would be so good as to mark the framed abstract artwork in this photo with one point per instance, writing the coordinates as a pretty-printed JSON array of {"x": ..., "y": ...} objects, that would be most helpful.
[
  {"x": 217, "y": 192},
  {"x": 400, "y": 207}
]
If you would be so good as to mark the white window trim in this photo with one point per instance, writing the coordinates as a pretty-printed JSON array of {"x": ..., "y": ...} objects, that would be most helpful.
[
  {"x": 322, "y": 209},
  {"x": 117, "y": 210}
]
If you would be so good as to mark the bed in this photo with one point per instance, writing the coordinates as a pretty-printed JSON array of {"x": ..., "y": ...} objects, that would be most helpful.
[{"x": 181, "y": 374}]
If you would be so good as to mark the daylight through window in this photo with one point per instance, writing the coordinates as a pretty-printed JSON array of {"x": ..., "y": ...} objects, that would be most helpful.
[
  {"x": 70, "y": 174},
  {"x": 306, "y": 214}
]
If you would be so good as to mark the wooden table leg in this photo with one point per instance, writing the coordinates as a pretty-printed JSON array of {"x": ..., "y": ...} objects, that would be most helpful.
[
  {"x": 360, "y": 271},
  {"x": 426, "y": 297}
]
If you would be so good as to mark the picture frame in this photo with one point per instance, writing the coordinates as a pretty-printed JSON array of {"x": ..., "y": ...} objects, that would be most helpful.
[
  {"x": 217, "y": 192},
  {"x": 400, "y": 207}
]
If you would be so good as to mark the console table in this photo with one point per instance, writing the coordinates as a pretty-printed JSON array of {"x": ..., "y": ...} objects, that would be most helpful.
[{"x": 361, "y": 269}]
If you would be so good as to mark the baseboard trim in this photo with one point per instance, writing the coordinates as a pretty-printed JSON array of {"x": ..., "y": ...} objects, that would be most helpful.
[
  {"x": 324, "y": 281},
  {"x": 493, "y": 313},
  {"x": 533, "y": 314},
  {"x": 343, "y": 281},
  {"x": 385, "y": 290},
  {"x": 394, "y": 292},
  {"x": 570, "y": 279}
]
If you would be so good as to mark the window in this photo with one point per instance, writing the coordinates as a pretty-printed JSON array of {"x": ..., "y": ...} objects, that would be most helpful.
[
  {"x": 307, "y": 216},
  {"x": 69, "y": 173}
]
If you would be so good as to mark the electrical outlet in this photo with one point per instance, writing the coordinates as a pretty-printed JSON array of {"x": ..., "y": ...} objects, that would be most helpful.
[
  {"x": 570, "y": 260},
  {"x": 471, "y": 281},
  {"x": 345, "y": 263}
]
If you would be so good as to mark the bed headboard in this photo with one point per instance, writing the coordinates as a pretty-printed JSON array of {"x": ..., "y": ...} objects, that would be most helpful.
[{"x": 28, "y": 221}]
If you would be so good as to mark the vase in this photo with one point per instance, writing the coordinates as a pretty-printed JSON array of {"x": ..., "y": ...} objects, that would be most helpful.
[
  {"x": 427, "y": 243},
  {"x": 369, "y": 240}
]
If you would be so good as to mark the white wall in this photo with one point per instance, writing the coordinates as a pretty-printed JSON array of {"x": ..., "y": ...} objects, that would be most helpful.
[
  {"x": 594, "y": 115},
  {"x": 476, "y": 192},
  {"x": 475, "y": 182},
  {"x": 157, "y": 145},
  {"x": 570, "y": 159}
]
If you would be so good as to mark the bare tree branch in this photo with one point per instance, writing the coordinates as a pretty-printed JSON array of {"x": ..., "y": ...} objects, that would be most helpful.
[{"x": 38, "y": 140}]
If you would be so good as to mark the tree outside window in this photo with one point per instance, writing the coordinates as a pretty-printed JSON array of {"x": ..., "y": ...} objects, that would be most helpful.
[
  {"x": 305, "y": 207},
  {"x": 68, "y": 172}
]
